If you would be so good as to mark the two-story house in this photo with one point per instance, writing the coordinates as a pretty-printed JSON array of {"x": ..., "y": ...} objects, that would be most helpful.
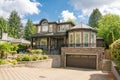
[
  {"x": 51, "y": 36},
  {"x": 77, "y": 44}
]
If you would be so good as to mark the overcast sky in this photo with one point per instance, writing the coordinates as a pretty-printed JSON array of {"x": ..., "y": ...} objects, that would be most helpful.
[{"x": 53, "y": 10}]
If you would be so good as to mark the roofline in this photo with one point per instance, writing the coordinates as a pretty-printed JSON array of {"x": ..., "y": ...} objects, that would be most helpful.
[
  {"x": 82, "y": 29},
  {"x": 57, "y": 23}
]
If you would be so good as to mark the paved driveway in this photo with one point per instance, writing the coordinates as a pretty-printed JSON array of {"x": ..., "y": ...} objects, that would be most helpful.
[{"x": 25, "y": 73}]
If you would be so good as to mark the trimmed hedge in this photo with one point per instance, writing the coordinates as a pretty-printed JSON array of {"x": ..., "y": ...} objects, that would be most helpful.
[{"x": 115, "y": 52}]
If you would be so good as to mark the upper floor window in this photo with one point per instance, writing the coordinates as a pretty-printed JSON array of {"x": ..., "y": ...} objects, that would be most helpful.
[
  {"x": 78, "y": 39},
  {"x": 44, "y": 22},
  {"x": 93, "y": 39},
  {"x": 38, "y": 29},
  {"x": 50, "y": 28},
  {"x": 62, "y": 28},
  {"x": 44, "y": 28},
  {"x": 86, "y": 39},
  {"x": 71, "y": 40}
]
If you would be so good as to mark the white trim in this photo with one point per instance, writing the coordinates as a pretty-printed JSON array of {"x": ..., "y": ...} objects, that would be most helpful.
[{"x": 80, "y": 41}]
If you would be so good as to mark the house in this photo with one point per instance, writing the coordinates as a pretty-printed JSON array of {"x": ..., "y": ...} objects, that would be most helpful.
[
  {"x": 77, "y": 44},
  {"x": 6, "y": 38}
]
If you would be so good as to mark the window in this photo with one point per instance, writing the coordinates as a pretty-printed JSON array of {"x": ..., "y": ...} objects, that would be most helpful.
[
  {"x": 44, "y": 28},
  {"x": 71, "y": 39},
  {"x": 38, "y": 29},
  {"x": 50, "y": 28},
  {"x": 78, "y": 39},
  {"x": 63, "y": 28},
  {"x": 93, "y": 40},
  {"x": 44, "y": 22},
  {"x": 85, "y": 39}
]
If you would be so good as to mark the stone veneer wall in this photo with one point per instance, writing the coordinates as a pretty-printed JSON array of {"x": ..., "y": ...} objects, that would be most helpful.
[{"x": 82, "y": 51}]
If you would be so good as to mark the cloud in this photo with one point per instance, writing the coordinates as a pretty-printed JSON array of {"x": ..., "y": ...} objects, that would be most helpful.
[
  {"x": 67, "y": 14},
  {"x": 23, "y": 7},
  {"x": 105, "y": 6}
]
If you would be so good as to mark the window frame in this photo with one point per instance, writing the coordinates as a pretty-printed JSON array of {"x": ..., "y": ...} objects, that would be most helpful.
[
  {"x": 86, "y": 44},
  {"x": 80, "y": 41}
]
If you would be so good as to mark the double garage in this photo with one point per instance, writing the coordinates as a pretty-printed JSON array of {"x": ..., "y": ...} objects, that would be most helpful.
[{"x": 81, "y": 61}]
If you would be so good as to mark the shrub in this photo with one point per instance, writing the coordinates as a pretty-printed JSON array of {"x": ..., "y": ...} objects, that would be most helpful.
[
  {"x": 115, "y": 51},
  {"x": 0, "y": 61},
  {"x": 35, "y": 57},
  {"x": 5, "y": 62},
  {"x": 36, "y": 51},
  {"x": 24, "y": 57},
  {"x": 14, "y": 62},
  {"x": 13, "y": 52},
  {"x": 45, "y": 57}
]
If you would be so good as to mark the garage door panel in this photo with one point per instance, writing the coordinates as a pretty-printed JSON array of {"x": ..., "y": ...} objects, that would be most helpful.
[{"x": 81, "y": 61}]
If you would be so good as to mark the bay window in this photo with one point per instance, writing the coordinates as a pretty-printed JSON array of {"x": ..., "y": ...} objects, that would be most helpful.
[
  {"x": 78, "y": 39},
  {"x": 86, "y": 39}
]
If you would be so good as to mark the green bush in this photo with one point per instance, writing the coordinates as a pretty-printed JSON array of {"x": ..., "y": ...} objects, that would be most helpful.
[
  {"x": 14, "y": 62},
  {"x": 6, "y": 62},
  {"x": 24, "y": 57},
  {"x": 115, "y": 51},
  {"x": 0, "y": 61},
  {"x": 13, "y": 52},
  {"x": 36, "y": 51},
  {"x": 45, "y": 57},
  {"x": 35, "y": 57}
]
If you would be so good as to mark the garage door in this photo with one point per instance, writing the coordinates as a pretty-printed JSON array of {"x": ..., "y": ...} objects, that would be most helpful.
[{"x": 81, "y": 61}]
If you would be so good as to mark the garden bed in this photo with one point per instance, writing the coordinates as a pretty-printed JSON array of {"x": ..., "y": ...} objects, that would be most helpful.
[{"x": 47, "y": 63}]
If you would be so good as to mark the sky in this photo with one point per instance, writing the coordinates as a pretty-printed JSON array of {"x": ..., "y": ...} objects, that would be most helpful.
[{"x": 53, "y": 10}]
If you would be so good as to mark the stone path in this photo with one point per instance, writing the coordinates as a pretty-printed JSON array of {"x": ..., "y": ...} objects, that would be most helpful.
[{"x": 25, "y": 73}]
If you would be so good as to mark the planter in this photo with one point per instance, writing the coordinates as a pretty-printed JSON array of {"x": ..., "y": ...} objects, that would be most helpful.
[
  {"x": 38, "y": 64},
  {"x": 115, "y": 71}
]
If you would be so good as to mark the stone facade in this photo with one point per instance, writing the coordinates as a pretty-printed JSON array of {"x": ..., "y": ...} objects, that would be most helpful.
[{"x": 83, "y": 51}]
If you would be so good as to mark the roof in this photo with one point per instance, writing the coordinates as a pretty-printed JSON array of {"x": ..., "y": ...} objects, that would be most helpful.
[
  {"x": 82, "y": 26},
  {"x": 49, "y": 34}
]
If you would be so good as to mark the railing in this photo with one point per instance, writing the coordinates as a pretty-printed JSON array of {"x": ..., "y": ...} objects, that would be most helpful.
[
  {"x": 83, "y": 45},
  {"x": 57, "y": 49}
]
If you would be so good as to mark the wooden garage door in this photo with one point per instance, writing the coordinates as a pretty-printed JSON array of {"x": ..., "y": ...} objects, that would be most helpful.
[{"x": 81, "y": 61}]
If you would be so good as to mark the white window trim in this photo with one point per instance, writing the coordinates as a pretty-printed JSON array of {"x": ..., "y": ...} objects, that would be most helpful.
[
  {"x": 79, "y": 39},
  {"x": 88, "y": 38},
  {"x": 51, "y": 27},
  {"x": 72, "y": 38},
  {"x": 43, "y": 28}
]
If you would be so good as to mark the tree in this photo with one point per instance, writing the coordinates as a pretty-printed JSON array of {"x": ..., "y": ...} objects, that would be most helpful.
[
  {"x": 72, "y": 20},
  {"x": 3, "y": 25},
  {"x": 94, "y": 18},
  {"x": 29, "y": 29},
  {"x": 109, "y": 28},
  {"x": 15, "y": 25},
  {"x": 115, "y": 52}
]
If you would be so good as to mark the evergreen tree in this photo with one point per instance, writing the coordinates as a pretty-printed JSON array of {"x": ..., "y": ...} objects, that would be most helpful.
[
  {"x": 15, "y": 25},
  {"x": 3, "y": 25},
  {"x": 29, "y": 30},
  {"x": 94, "y": 17}
]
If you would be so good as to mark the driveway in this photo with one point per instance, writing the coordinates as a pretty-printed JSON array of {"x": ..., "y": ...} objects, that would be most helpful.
[{"x": 26, "y": 73}]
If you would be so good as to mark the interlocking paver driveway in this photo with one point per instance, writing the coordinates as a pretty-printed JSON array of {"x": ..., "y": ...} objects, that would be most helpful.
[{"x": 25, "y": 73}]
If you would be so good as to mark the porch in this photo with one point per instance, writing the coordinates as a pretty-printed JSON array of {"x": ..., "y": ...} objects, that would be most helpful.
[{"x": 50, "y": 45}]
